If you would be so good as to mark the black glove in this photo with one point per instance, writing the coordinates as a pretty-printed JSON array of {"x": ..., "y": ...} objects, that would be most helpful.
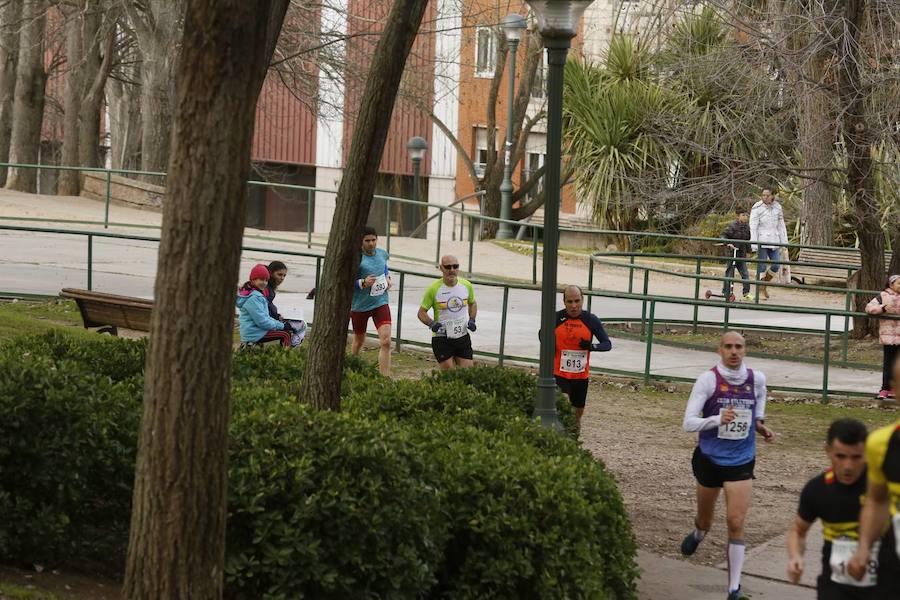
[
  {"x": 585, "y": 344},
  {"x": 436, "y": 326},
  {"x": 471, "y": 325},
  {"x": 288, "y": 327}
]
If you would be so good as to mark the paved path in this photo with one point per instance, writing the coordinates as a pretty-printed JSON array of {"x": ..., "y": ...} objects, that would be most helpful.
[{"x": 44, "y": 263}]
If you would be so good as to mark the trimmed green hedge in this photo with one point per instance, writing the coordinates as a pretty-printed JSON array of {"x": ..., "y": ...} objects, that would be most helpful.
[{"x": 438, "y": 488}]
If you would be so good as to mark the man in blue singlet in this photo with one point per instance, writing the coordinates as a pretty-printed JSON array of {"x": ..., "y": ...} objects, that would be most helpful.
[{"x": 727, "y": 407}]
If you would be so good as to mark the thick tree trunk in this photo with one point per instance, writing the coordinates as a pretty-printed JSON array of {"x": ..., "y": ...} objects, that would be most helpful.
[
  {"x": 816, "y": 149},
  {"x": 9, "y": 42},
  {"x": 858, "y": 139},
  {"x": 894, "y": 269},
  {"x": 176, "y": 546},
  {"x": 28, "y": 104},
  {"x": 68, "y": 180},
  {"x": 322, "y": 379},
  {"x": 98, "y": 64}
]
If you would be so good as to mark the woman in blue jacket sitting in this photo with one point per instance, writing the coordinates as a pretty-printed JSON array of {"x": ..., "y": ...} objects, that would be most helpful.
[{"x": 256, "y": 324}]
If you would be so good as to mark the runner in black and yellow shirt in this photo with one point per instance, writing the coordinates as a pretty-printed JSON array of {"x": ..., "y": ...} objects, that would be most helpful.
[
  {"x": 836, "y": 497},
  {"x": 575, "y": 330},
  {"x": 882, "y": 508}
]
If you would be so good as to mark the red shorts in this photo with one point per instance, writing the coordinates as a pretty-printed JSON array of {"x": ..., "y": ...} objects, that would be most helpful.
[{"x": 381, "y": 316}]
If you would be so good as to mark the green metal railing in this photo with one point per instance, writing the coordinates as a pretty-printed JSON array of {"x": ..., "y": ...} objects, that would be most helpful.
[
  {"x": 649, "y": 320},
  {"x": 470, "y": 224}
]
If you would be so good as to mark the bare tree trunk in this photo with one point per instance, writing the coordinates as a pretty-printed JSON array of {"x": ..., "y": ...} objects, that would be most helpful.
[
  {"x": 28, "y": 104},
  {"x": 68, "y": 180},
  {"x": 98, "y": 64},
  {"x": 176, "y": 546},
  {"x": 125, "y": 115},
  {"x": 322, "y": 379},
  {"x": 858, "y": 139},
  {"x": 816, "y": 148},
  {"x": 9, "y": 41}
]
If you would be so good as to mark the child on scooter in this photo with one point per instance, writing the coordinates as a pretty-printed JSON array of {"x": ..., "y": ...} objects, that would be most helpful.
[{"x": 738, "y": 230}]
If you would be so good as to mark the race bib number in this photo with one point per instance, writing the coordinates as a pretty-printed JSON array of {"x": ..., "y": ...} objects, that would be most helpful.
[
  {"x": 738, "y": 429},
  {"x": 456, "y": 328},
  {"x": 573, "y": 361},
  {"x": 379, "y": 287},
  {"x": 841, "y": 552}
]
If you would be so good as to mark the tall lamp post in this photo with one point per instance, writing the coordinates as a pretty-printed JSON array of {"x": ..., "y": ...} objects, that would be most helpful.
[
  {"x": 513, "y": 26},
  {"x": 416, "y": 147},
  {"x": 557, "y": 22}
]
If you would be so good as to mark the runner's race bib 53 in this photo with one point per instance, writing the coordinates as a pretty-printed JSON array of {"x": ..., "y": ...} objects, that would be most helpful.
[
  {"x": 739, "y": 428},
  {"x": 573, "y": 361},
  {"x": 456, "y": 328}
]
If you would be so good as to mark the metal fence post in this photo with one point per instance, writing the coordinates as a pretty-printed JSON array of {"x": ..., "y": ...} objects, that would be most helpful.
[
  {"x": 534, "y": 255},
  {"x": 90, "y": 261},
  {"x": 631, "y": 274},
  {"x": 503, "y": 323},
  {"x": 437, "y": 252},
  {"x": 400, "y": 310},
  {"x": 696, "y": 295},
  {"x": 108, "y": 195},
  {"x": 318, "y": 274},
  {"x": 827, "y": 357},
  {"x": 471, "y": 243},
  {"x": 644, "y": 303},
  {"x": 845, "y": 335},
  {"x": 309, "y": 213},
  {"x": 649, "y": 343},
  {"x": 590, "y": 284},
  {"x": 727, "y": 315},
  {"x": 387, "y": 224}
]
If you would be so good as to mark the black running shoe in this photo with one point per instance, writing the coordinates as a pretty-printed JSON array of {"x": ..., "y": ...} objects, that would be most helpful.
[
  {"x": 689, "y": 544},
  {"x": 737, "y": 595}
]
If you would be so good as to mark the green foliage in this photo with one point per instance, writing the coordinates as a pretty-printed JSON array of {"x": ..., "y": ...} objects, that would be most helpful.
[
  {"x": 438, "y": 488},
  {"x": 324, "y": 505},
  {"x": 515, "y": 387},
  {"x": 712, "y": 225},
  {"x": 66, "y": 458}
]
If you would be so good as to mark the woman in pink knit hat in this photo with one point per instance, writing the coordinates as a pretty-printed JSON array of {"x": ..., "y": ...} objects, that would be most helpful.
[{"x": 256, "y": 324}]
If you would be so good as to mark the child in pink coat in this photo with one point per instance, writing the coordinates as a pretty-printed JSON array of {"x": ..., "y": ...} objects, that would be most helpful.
[{"x": 888, "y": 302}]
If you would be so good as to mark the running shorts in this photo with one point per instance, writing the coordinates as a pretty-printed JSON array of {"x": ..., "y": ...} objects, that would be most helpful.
[
  {"x": 711, "y": 475},
  {"x": 381, "y": 316},
  {"x": 826, "y": 589},
  {"x": 575, "y": 389},
  {"x": 445, "y": 348}
]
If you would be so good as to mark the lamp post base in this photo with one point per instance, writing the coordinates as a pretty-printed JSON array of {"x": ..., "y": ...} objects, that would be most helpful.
[{"x": 545, "y": 407}]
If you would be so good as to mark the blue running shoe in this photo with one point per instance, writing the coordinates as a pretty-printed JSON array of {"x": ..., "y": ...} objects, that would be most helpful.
[
  {"x": 689, "y": 544},
  {"x": 737, "y": 595}
]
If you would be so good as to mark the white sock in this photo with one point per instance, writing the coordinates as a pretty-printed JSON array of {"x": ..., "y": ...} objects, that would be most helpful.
[
  {"x": 735, "y": 563},
  {"x": 699, "y": 534}
]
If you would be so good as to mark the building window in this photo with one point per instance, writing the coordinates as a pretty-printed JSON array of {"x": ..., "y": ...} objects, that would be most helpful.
[
  {"x": 480, "y": 161},
  {"x": 533, "y": 162},
  {"x": 539, "y": 83},
  {"x": 485, "y": 52}
]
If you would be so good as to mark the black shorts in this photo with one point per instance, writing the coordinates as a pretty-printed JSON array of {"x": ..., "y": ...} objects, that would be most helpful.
[
  {"x": 711, "y": 475},
  {"x": 575, "y": 389},
  {"x": 444, "y": 348},
  {"x": 826, "y": 589},
  {"x": 888, "y": 567}
]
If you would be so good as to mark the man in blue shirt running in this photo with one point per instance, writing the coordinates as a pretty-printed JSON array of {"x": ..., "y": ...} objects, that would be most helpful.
[{"x": 370, "y": 299}]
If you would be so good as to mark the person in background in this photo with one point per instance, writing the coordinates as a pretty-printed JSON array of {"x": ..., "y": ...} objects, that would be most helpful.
[
  {"x": 277, "y": 272},
  {"x": 256, "y": 325},
  {"x": 738, "y": 230},
  {"x": 887, "y": 302},
  {"x": 767, "y": 225}
]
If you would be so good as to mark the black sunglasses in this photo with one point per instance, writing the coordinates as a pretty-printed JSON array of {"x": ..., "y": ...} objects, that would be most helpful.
[{"x": 448, "y": 267}]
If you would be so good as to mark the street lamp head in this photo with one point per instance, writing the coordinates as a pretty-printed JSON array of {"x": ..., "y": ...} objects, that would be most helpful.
[
  {"x": 558, "y": 18},
  {"x": 513, "y": 26},
  {"x": 416, "y": 146}
]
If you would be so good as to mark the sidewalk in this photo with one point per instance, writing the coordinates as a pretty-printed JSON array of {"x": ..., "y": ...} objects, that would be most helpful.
[{"x": 44, "y": 263}]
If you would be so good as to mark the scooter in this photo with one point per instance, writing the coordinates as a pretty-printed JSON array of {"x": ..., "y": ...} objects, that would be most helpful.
[{"x": 729, "y": 297}]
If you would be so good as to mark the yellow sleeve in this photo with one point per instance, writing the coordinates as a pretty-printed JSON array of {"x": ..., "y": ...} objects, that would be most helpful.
[{"x": 876, "y": 448}]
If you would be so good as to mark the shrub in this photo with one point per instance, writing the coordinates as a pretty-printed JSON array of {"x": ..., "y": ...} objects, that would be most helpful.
[
  {"x": 515, "y": 387},
  {"x": 711, "y": 226},
  {"x": 66, "y": 460}
]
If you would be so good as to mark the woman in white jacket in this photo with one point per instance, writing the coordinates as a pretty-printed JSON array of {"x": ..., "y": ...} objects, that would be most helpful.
[{"x": 767, "y": 225}]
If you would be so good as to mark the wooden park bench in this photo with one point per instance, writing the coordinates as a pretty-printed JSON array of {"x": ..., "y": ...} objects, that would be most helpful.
[
  {"x": 845, "y": 264},
  {"x": 108, "y": 312}
]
